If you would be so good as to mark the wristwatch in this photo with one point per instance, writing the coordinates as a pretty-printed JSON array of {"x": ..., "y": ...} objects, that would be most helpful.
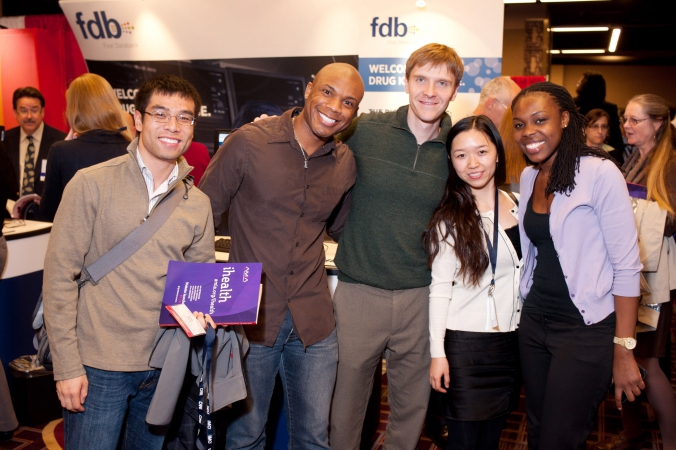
[{"x": 628, "y": 343}]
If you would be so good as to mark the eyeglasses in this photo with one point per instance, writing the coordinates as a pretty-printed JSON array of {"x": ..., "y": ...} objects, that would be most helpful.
[
  {"x": 633, "y": 122},
  {"x": 506, "y": 107},
  {"x": 601, "y": 127},
  {"x": 183, "y": 120},
  {"x": 26, "y": 111}
]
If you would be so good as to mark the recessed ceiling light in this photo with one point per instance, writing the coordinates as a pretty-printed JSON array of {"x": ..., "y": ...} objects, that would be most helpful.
[
  {"x": 577, "y": 29},
  {"x": 614, "y": 38}
]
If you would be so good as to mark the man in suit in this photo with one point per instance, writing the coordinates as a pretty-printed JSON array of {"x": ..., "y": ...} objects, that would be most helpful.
[{"x": 33, "y": 137}]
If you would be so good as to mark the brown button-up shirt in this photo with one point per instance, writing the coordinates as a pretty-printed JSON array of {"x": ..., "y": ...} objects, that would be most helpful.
[{"x": 278, "y": 213}]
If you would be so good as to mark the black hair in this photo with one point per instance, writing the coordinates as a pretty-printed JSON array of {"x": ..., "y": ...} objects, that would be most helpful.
[
  {"x": 456, "y": 214},
  {"x": 27, "y": 91},
  {"x": 573, "y": 144},
  {"x": 166, "y": 85},
  {"x": 592, "y": 88}
]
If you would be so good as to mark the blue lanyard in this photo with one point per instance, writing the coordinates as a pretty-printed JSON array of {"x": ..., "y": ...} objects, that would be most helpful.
[
  {"x": 205, "y": 430},
  {"x": 493, "y": 248}
]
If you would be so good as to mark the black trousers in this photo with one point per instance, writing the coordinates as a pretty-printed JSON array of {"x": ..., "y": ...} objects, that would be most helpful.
[
  {"x": 566, "y": 370},
  {"x": 477, "y": 435}
]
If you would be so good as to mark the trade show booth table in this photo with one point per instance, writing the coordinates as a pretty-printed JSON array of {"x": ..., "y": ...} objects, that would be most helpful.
[{"x": 20, "y": 285}]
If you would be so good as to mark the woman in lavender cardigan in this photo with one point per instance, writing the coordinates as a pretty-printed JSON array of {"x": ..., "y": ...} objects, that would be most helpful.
[{"x": 580, "y": 280}]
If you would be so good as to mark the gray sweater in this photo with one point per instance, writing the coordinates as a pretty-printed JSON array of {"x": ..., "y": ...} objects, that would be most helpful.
[{"x": 112, "y": 325}]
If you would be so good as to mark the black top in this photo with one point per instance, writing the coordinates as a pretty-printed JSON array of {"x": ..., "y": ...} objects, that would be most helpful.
[
  {"x": 513, "y": 235},
  {"x": 67, "y": 157},
  {"x": 549, "y": 293}
]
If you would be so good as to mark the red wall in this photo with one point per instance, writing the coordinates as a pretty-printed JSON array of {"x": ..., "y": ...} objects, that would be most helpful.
[{"x": 34, "y": 57}]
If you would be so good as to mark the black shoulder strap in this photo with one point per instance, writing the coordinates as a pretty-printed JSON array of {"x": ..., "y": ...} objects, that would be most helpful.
[{"x": 134, "y": 241}]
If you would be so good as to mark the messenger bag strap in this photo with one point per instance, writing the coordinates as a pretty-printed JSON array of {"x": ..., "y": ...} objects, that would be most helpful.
[{"x": 134, "y": 241}]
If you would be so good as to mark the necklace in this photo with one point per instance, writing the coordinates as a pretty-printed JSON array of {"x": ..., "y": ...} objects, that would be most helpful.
[{"x": 302, "y": 150}]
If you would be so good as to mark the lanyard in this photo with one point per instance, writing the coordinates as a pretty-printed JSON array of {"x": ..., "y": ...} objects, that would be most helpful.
[
  {"x": 493, "y": 248},
  {"x": 205, "y": 430}
]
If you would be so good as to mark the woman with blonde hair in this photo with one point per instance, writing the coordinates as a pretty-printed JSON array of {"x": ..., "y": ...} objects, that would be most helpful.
[
  {"x": 652, "y": 164},
  {"x": 98, "y": 133},
  {"x": 515, "y": 161}
]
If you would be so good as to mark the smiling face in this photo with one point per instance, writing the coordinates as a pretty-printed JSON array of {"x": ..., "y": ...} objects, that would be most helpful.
[
  {"x": 430, "y": 89},
  {"x": 538, "y": 127},
  {"x": 642, "y": 134},
  {"x": 331, "y": 101},
  {"x": 474, "y": 158},
  {"x": 164, "y": 142},
  {"x": 597, "y": 132},
  {"x": 29, "y": 113}
]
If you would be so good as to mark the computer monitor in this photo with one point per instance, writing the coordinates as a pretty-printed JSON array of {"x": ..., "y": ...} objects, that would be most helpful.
[
  {"x": 219, "y": 136},
  {"x": 254, "y": 92}
]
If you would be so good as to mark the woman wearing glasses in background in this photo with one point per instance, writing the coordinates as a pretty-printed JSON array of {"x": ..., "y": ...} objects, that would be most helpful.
[
  {"x": 597, "y": 131},
  {"x": 652, "y": 164}
]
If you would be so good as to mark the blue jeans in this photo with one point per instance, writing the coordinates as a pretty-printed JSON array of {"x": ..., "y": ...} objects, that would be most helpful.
[
  {"x": 308, "y": 376},
  {"x": 115, "y": 412}
]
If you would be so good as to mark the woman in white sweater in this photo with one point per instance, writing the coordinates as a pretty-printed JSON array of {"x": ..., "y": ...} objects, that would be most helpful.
[{"x": 474, "y": 295}]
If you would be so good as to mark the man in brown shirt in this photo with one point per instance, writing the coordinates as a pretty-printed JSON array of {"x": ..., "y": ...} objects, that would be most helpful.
[{"x": 286, "y": 180}]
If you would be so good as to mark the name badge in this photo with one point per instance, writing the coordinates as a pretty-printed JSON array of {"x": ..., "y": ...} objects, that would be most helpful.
[{"x": 43, "y": 170}]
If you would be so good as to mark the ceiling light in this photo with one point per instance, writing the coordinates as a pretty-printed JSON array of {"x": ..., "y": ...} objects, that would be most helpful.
[
  {"x": 519, "y": 1},
  {"x": 613, "y": 39},
  {"x": 555, "y": 52},
  {"x": 420, "y": 3},
  {"x": 582, "y": 51},
  {"x": 575, "y": 29}
]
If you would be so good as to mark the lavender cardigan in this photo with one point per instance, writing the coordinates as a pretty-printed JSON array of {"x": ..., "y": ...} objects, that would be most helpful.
[{"x": 594, "y": 235}]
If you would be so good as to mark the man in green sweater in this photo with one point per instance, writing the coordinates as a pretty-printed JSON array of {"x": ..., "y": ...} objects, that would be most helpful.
[{"x": 381, "y": 301}]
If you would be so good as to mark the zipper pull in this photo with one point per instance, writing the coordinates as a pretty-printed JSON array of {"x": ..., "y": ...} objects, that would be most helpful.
[{"x": 305, "y": 164}]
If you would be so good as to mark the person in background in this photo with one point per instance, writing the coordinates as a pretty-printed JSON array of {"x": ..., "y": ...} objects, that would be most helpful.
[
  {"x": 98, "y": 133},
  {"x": 591, "y": 94},
  {"x": 472, "y": 242},
  {"x": 198, "y": 157},
  {"x": 515, "y": 160},
  {"x": 495, "y": 98},
  {"x": 581, "y": 273},
  {"x": 28, "y": 144},
  {"x": 653, "y": 165},
  {"x": 286, "y": 182},
  {"x": 382, "y": 297},
  {"x": 596, "y": 131}
]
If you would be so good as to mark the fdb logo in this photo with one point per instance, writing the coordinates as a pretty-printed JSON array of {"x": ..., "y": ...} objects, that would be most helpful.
[
  {"x": 388, "y": 29},
  {"x": 101, "y": 27}
]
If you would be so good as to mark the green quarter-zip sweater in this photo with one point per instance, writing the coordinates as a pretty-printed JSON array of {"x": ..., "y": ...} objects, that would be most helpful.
[{"x": 399, "y": 184}]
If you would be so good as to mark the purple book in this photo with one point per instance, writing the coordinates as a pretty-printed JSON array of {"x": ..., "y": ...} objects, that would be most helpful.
[{"x": 229, "y": 292}]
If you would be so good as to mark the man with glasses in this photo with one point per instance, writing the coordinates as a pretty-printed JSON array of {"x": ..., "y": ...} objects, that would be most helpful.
[
  {"x": 101, "y": 337},
  {"x": 496, "y": 96},
  {"x": 286, "y": 181},
  {"x": 28, "y": 144}
]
